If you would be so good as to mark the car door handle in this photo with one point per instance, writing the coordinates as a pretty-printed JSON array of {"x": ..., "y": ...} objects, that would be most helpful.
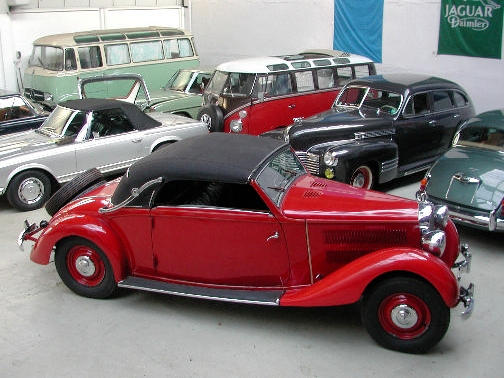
[
  {"x": 137, "y": 140},
  {"x": 274, "y": 236},
  {"x": 456, "y": 115},
  {"x": 432, "y": 122},
  {"x": 292, "y": 106}
]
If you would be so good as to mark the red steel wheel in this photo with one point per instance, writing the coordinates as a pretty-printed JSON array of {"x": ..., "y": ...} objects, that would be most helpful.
[
  {"x": 85, "y": 265},
  {"x": 404, "y": 316},
  {"x": 84, "y": 268},
  {"x": 362, "y": 177}
]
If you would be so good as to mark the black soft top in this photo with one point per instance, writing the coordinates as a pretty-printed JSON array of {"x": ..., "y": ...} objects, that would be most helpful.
[
  {"x": 217, "y": 157},
  {"x": 139, "y": 119}
]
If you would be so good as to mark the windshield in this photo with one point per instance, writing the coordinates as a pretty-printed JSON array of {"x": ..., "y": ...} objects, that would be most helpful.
[
  {"x": 482, "y": 137},
  {"x": 57, "y": 125},
  {"x": 279, "y": 173},
  {"x": 47, "y": 57},
  {"x": 379, "y": 100},
  {"x": 231, "y": 83},
  {"x": 180, "y": 81}
]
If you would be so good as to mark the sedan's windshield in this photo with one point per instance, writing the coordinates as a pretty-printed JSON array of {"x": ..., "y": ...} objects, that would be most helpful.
[
  {"x": 180, "y": 81},
  {"x": 384, "y": 102},
  {"x": 58, "y": 125},
  {"x": 279, "y": 173},
  {"x": 481, "y": 137}
]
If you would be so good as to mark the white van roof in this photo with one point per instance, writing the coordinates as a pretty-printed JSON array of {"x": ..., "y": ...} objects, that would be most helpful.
[{"x": 305, "y": 59}]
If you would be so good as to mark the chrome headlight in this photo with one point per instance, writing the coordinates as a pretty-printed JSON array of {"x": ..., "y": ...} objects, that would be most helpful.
[
  {"x": 434, "y": 242},
  {"x": 330, "y": 158},
  {"x": 236, "y": 125},
  {"x": 441, "y": 216},
  {"x": 425, "y": 210}
]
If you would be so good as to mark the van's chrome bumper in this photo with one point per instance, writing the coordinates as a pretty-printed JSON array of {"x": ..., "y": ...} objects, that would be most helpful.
[{"x": 466, "y": 294}]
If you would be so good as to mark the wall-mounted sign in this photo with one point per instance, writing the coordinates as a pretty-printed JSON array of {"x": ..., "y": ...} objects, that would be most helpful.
[{"x": 471, "y": 28}]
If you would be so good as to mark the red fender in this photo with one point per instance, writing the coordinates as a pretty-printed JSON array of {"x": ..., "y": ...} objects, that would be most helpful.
[
  {"x": 94, "y": 229},
  {"x": 347, "y": 284}
]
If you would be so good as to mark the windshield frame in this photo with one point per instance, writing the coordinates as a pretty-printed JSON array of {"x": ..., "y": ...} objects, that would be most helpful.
[
  {"x": 276, "y": 191},
  {"x": 361, "y": 104},
  {"x": 38, "y": 62},
  {"x": 57, "y": 132}
]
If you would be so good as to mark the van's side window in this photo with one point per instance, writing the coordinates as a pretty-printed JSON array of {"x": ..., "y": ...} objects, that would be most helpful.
[
  {"x": 70, "y": 61},
  {"x": 146, "y": 51},
  {"x": 344, "y": 75},
  {"x": 90, "y": 57},
  {"x": 278, "y": 84},
  {"x": 177, "y": 48},
  {"x": 325, "y": 78},
  {"x": 361, "y": 71},
  {"x": 304, "y": 80},
  {"x": 185, "y": 48},
  {"x": 117, "y": 54}
]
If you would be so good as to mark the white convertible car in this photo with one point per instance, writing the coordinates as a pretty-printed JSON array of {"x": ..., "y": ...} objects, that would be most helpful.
[{"x": 78, "y": 135}]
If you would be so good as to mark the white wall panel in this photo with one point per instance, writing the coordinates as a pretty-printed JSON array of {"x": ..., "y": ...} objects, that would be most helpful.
[{"x": 132, "y": 17}]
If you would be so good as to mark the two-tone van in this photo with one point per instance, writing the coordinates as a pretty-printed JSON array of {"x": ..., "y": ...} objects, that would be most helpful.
[
  {"x": 256, "y": 95},
  {"x": 58, "y": 61}
]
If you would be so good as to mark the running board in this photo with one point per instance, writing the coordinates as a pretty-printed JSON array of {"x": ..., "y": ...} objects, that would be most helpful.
[{"x": 263, "y": 297}]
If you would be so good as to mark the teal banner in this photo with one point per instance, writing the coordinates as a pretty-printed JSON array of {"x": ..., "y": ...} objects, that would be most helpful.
[{"x": 471, "y": 28}]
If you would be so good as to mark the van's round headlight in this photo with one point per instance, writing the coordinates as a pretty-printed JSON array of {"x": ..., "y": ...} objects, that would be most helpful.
[{"x": 330, "y": 158}]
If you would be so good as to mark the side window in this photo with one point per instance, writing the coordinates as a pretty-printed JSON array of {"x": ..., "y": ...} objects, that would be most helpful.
[
  {"x": 90, "y": 57},
  {"x": 304, "y": 81},
  {"x": 13, "y": 108},
  {"x": 171, "y": 49},
  {"x": 109, "y": 122},
  {"x": 441, "y": 101},
  {"x": 344, "y": 75},
  {"x": 325, "y": 78},
  {"x": 459, "y": 99},
  {"x": 70, "y": 61},
  {"x": 417, "y": 105},
  {"x": 361, "y": 70},
  {"x": 185, "y": 48},
  {"x": 278, "y": 84},
  {"x": 208, "y": 193},
  {"x": 146, "y": 51},
  {"x": 117, "y": 54}
]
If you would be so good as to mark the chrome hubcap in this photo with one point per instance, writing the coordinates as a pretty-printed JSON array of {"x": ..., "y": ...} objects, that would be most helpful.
[
  {"x": 205, "y": 118},
  {"x": 359, "y": 180},
  {"x": 85, "y": 266},
  {"x": 404, "y": 316},
  {"x": 30, "y": 190}
]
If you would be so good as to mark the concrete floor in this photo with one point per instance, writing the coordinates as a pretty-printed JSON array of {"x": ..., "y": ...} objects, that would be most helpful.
[{"x": 47, "y": 331}]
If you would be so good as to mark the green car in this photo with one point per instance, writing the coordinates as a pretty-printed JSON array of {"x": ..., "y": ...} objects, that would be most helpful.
[
  {"x": 469, "y": 178},
  {"x": 182, "y": 94}
]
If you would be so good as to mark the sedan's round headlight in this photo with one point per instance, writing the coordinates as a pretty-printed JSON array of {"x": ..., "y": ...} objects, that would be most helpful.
[
  {"x": 434, "y": 242},
  {"x": 330, "y": 158}
]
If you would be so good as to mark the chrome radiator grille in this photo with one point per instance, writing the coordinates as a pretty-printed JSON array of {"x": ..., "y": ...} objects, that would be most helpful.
[{"x": 310, "y": 161}]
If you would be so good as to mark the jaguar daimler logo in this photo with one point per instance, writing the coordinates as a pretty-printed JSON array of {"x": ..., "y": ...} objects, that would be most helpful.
[{"x": 474, "y": 14}]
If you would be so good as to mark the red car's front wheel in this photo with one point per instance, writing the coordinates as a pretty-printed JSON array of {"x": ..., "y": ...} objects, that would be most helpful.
[
  {"x": 405, "y": 314},
  {"x": 84, "y": 268}
]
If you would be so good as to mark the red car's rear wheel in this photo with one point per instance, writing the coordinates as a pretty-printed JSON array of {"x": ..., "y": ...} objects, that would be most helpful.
[
  {"x": 405, "y": 314},
  {"x": 84, "y": 268}
]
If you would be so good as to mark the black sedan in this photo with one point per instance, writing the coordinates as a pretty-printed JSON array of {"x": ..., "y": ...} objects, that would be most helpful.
[
  {"x": 381, "y": 127},
  {"x": 17, "y": 113}
]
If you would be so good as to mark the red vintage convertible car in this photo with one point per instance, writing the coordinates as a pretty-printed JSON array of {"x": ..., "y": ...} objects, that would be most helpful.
[{"x": 237, "y": 218}]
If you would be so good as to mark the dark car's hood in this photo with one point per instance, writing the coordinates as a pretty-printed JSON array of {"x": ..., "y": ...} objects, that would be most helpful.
[
  {"x": 484, "y": 168},
  {"x": 22, "y": 143},
  {"x": 339, "y": 123}
]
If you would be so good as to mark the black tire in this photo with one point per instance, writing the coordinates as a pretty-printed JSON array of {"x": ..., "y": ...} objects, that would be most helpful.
[
  {"x": 29, "y": 190},
  {"x": 72, "y": 189},
  {"x": 213, "y": 117},
  {"x": 84, "y": 268},
  {"x": 362, "y": 176},
  {"x": 405, "y": 314}
]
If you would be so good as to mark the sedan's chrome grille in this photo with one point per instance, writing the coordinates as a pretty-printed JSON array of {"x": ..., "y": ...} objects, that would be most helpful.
[{"x": 310, "y": 161}]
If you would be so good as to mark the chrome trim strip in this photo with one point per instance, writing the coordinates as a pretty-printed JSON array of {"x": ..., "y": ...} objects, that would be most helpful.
[
  {"x": 135, "y": 192},
  {"x": 389, "y": 165},
  {"x": 478, "y": 220},
  {"x": 416, "y": 170},
  {"x": 373, "y": 134},
  {"x": 309, "y": 251}
]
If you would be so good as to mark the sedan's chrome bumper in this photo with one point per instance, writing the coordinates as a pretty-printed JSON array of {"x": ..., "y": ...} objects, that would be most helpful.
[
  {"x": 487, "y": 220},
  {"x": 466, "y": 294}
]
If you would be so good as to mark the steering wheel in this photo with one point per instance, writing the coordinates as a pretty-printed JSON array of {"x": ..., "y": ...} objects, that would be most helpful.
[{"x": 387, "y": 109}]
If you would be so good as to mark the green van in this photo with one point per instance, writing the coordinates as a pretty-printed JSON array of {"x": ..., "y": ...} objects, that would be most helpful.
[{"x": 58, "y": 61}]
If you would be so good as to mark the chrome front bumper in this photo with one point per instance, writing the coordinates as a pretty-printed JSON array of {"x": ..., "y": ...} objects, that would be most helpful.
[{"x": 466, "y": 294}]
